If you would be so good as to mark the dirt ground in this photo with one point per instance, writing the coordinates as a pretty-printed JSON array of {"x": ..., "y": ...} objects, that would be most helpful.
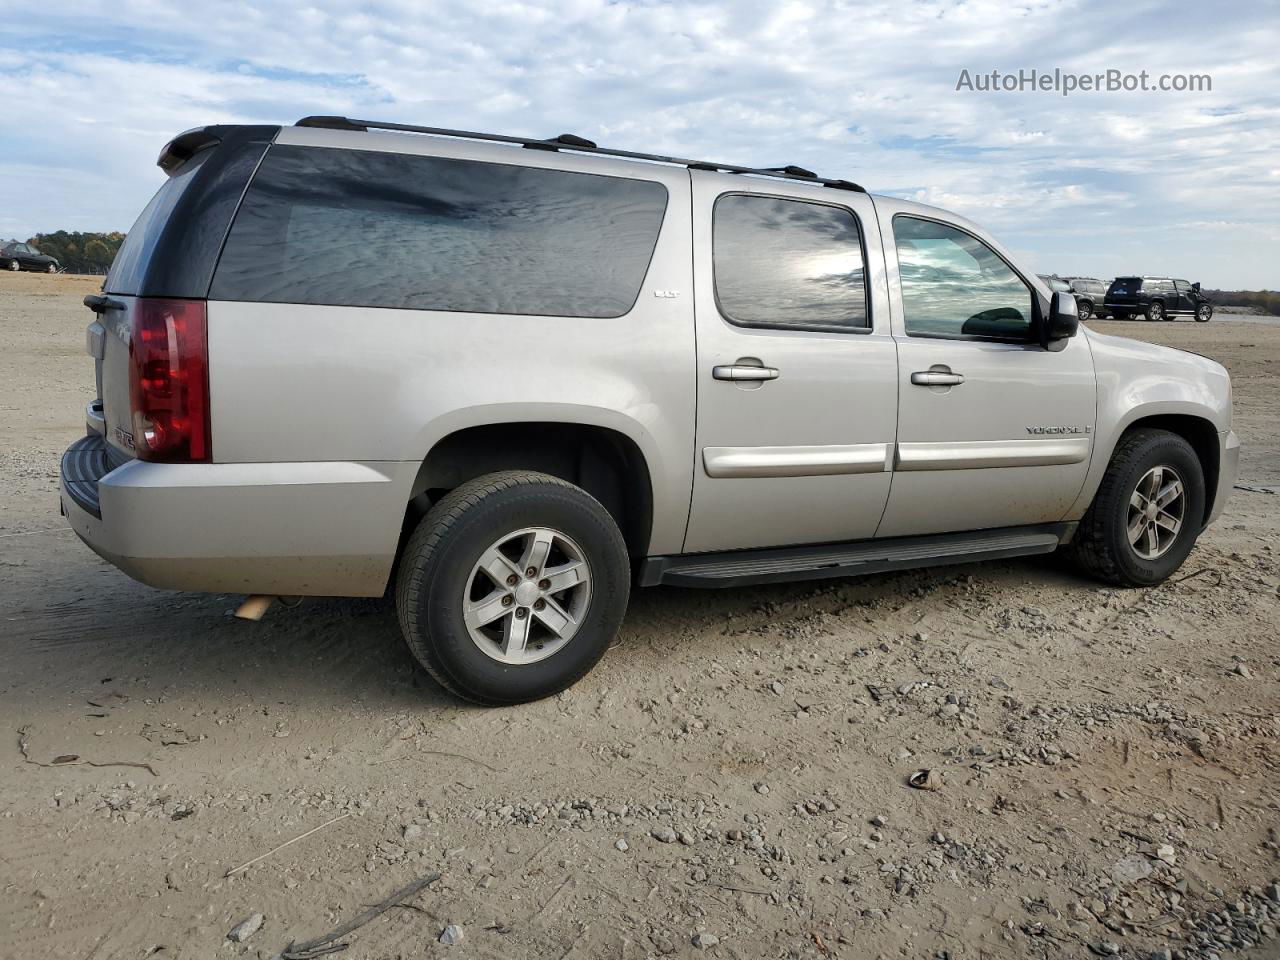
[{"x": 729, "y": 782}]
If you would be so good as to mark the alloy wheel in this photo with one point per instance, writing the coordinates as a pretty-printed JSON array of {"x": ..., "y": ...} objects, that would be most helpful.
[
  {"x": 527, "y": 595},
  {"x": 1156, "y": 513}
]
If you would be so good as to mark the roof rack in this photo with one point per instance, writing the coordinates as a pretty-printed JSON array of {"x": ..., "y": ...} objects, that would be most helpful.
[{"x": 567, "y": 141}]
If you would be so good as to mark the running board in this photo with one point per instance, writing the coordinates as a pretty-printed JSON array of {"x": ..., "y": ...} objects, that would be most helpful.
[{"x": 741, "y": 567}]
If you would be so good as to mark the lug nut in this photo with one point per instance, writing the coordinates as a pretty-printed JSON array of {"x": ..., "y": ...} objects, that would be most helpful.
[
  {"x": 507, "y": 601},
  {"x": 512, "y": 580},
  {"x": 539, "y": 604},
  {"x": 531, "y": 572},
  {"x": 521, "y": 613},
  {"x": 544, "y": 584}
]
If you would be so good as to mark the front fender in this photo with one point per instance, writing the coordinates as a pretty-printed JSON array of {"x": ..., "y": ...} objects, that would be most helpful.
[{"x": 1137, "y": 381}]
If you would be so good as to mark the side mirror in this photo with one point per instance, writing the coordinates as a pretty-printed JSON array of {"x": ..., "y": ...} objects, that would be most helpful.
[
  {"x": 1196, "y": 286},
  {"x": 1063, "y": 320}
]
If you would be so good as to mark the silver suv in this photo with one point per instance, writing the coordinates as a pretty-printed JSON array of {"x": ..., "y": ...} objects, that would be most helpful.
[{"x": 511, "y": 378}]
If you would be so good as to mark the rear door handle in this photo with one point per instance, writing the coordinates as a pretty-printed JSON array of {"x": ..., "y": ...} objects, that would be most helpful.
[
  {"x": 742, "y": 371},
  {"x": 936, "y": 378}
]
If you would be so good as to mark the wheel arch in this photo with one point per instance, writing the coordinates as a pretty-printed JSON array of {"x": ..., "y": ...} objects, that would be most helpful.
[
  {"x": 611, "y": 464},
  {"x": 1192, "y": 425}
]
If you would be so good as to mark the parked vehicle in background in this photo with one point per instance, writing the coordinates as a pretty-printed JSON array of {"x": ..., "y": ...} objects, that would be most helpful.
[
  {"x": 1091, "y": 295},
  {"x": 512, "y": 378},
  {"x": 1084, "y": 303},
  {"x": 23, "y": 256},
  {"x": 1157, "y": 298}
]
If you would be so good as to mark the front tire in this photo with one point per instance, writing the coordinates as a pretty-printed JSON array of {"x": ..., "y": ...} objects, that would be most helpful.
[
  {"x": 512, "y": 587},
  {"x": 1204, "y": 313},
  {"x": 51, "y": 268},
  {"x": 1147, "y": 513}
]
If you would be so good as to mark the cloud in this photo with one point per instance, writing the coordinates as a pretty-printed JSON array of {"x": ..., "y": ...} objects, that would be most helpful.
[{"x": 1095, "y": 182}]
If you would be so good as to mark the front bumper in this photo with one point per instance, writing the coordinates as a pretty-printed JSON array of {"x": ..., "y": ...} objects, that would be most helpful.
[
  {"x": 1228, "y": 471},
  {"x": 314, "y": 529}
]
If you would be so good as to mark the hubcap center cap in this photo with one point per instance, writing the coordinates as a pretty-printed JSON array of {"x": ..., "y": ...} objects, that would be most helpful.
[{"x": 526, "y": 593}]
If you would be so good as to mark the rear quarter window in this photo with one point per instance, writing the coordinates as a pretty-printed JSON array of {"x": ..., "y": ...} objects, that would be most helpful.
[{"x": 365, "y": 228}]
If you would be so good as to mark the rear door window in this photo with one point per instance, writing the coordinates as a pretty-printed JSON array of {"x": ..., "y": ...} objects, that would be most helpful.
[
  {"x": 365, "y": 228},
  {"x": 788, "y": 264}
]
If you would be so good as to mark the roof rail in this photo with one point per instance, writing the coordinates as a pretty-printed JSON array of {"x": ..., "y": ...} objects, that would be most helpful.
[{"x": 567, "y": 141}]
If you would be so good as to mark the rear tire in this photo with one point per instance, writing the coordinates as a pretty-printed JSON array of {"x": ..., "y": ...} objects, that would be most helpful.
[
  {"x": 1085, "y": 310},
  {"x": 443, "y": 587},
  {"x": 1104, "y": 546},
  {"x": 14, "y": 266},
  {"x": 1155, "y": 311}
]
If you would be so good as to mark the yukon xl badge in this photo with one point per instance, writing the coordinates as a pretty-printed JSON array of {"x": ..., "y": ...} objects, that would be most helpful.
[{"x": 1060, "y": 430}]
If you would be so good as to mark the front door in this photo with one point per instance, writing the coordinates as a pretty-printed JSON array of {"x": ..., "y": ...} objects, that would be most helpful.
[
  {"x": 993, "y": 429},
  {"x": 797, "y": 395},
  {"x": 1186, "y": 301}
]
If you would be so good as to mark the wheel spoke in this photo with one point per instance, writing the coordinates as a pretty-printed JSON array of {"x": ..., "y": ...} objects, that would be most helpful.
[
  {"x": 565, "y": 576},
  {"x": 535, "y": 553},
  {"x": 1156, "y": 478},
  {"x": 1153, "y": 540},
  {"x": 495, "y": 563},
  {"x": 1137, "y": 501},
  {"x": 480, "y": 612},
  {"x": 515, "y": 634},
  {"x": 554, "y": 617},
  {"x": 1136, "y": 529},
  {"x": 1169, "y": 493},
  {"x": 1168, "y": 521}
]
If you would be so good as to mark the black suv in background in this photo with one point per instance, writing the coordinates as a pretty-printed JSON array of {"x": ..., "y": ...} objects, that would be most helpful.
[
  {"x": 1157, "y": 298},
  {"x": 1086, "y": 303},
  {"x": 23, "y": 256},
  {"x": 1091, "y": 295}
]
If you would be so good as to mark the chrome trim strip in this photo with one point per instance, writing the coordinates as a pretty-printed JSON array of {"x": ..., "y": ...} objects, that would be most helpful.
[
  {"x": 819, "y": 461},
  {"x": 978, "y": 455}
]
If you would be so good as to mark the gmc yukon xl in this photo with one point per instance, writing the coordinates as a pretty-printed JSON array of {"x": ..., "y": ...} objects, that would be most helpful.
[{"x": 511, "y": 378}]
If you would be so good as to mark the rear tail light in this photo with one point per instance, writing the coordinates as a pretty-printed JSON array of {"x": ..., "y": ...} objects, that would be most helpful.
[{"x": 169, "y": 380}]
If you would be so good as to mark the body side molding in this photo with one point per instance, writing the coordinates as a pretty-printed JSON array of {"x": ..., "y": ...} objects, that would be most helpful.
[
  {"x": 814, "y": 461},
  {"x": 982, "y": 454}
]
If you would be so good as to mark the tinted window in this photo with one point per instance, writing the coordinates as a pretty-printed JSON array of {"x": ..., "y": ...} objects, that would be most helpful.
[
  {"x": 359, "y": 228},
  {"x": 788, "y": 263},
  {"x": 954, "y": 285},
  {"x": 134, "y": 255}
]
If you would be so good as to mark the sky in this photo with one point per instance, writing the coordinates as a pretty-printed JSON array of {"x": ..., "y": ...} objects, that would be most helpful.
[{"x": 1097, "y": 183}]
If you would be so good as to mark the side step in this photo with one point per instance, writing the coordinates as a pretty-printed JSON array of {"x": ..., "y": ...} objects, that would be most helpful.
[{"x": 741, "y": 567}]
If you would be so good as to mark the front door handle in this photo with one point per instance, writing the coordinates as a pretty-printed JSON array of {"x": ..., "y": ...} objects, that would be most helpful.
[
  {"x": 936, "y": 378},
  {"x": 742, "y": 371}
]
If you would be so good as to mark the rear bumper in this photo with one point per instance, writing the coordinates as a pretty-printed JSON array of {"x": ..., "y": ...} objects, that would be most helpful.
[
  {"x": 1228, "y": 471},
  {"x": 316, "y": 529}
]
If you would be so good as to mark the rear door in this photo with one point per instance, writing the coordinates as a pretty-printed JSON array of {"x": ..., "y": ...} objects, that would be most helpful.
[
  {"x": 1123, "y": 293},
  {"x": 797, "y": 402},
  {"x": 993, "y": 429}
]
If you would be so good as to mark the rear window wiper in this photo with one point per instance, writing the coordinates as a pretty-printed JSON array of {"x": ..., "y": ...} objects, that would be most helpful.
[{"x": 101, "y": 304}]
